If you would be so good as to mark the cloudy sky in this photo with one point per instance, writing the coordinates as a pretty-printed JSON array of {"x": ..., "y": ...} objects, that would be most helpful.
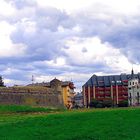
[{"x": 68, "y": 39}]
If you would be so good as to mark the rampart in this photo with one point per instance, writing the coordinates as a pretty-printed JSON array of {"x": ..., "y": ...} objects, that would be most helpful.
[{"x": 36, "y": 96}]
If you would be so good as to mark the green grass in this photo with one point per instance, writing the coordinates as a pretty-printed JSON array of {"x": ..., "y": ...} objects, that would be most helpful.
[
  {"x": 103, "y": 124},
  {"x": 24, "y": 109}
]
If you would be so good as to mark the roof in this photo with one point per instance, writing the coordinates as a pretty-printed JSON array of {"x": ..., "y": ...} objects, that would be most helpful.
[
  {"x": 110, "y": 80},
  {"x": 55, "y": 81}
]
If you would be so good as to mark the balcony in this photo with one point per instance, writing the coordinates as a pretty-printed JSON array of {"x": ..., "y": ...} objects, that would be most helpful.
[
  {"x": 123, "y": 93},
  {"x": 107, "y": 94},
  {"x": 107, "y": 88},
  {"x": 123, "y": 98},
  {"x": 100, "y": 89},
  {"x": 99, "y": 95}
]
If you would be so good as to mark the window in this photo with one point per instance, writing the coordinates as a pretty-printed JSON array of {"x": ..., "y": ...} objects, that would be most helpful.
[
  {"x": 138, "y": 100},
  {"x": 130, "y": 95},
  {"x": 112, "y": 82},
  {"x": 130, "y": 99},
  {"x": 133, "y": 83}
]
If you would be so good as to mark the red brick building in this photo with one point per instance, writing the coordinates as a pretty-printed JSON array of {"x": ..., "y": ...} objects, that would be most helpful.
[{"x": 113, "y": 87}]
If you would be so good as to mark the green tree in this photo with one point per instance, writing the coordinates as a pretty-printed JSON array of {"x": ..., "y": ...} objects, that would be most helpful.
[{"x": 1, "y": 82}]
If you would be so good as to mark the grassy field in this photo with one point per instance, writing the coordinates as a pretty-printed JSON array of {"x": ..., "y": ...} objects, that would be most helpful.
[
  {"x": 102, "y": 124},
  {"x": 25, "y": 109}
]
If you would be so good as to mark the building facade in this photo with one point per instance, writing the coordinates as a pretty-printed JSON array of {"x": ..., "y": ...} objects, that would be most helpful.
[
  {"x": 112, "y": 87},
  {"x": 134, "y": 92}
]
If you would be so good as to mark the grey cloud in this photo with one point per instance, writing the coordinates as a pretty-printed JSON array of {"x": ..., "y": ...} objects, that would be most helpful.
[
  {"x": 46, "y": 41},
  {"x": 122, "y": 32},
  {"x": 84, "y": 50}
]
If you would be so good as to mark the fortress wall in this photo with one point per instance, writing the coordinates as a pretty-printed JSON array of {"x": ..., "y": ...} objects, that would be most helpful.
[{"x": 54, "y": 100}]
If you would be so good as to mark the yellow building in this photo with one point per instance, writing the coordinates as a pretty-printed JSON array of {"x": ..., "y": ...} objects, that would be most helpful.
[{"x": 68, "y": 93}]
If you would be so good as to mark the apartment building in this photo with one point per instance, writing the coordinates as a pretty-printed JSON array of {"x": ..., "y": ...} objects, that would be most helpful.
[{"x": 110, "y": 87}]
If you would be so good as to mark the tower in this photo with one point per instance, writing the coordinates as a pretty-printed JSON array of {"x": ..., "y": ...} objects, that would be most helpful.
[
  {"x": 32, "y": 79},
  {"x": 132, "y": 74}
]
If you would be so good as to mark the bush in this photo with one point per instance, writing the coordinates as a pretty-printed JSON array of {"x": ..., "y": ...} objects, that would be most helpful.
[
  {"x": 108, "y": 103},
  {"x": 101, "y": 104},
  {"x": 93, "y": 103},
  {"x": 123, "y": 103},
  {"x": 96, "y": 104}
]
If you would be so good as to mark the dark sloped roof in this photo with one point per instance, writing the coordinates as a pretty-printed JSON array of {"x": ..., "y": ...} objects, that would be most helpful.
[
  {"x": 55, "y": 81},
  {"x": 109, "y": 80}
]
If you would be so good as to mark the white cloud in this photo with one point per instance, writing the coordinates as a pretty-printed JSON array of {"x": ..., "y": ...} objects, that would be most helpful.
[
  {"x": 29, "y": 26},
  {"x": 7, "y": 47},
  {"x": 56, "y": 63},
  {"x": 6, "y": 9},
  {"x": 5, "y": 28},
  {"x": 65, "y": 5},
  {"x": 59, "y": 62},
  {"x": 9, "y": 70},
  {"x": 10, "y": 82},
  {"x": 125, "y": 6},
  {"x": 96, "y": 52}
]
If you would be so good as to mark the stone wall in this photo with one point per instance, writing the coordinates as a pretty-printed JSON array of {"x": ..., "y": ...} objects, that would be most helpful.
[
  {"x": 33, "y": 95},
  {"x": 54, "y": 100}
]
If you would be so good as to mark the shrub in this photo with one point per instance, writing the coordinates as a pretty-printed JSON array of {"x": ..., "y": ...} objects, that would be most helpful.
[
  {"x": 108, "y": 103},
  {"x": 123, "y": 103},
  {"x": 96, "y": 103},
  {"x": 93, "y": 103},
  {"x": 99, "y": 105}
]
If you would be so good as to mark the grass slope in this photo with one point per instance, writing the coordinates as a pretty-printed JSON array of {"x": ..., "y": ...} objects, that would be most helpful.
[{"x": 107, "y": 124}]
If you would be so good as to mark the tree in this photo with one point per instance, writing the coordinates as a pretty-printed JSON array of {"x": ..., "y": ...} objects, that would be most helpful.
[{"x": 1, "y": 82}]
